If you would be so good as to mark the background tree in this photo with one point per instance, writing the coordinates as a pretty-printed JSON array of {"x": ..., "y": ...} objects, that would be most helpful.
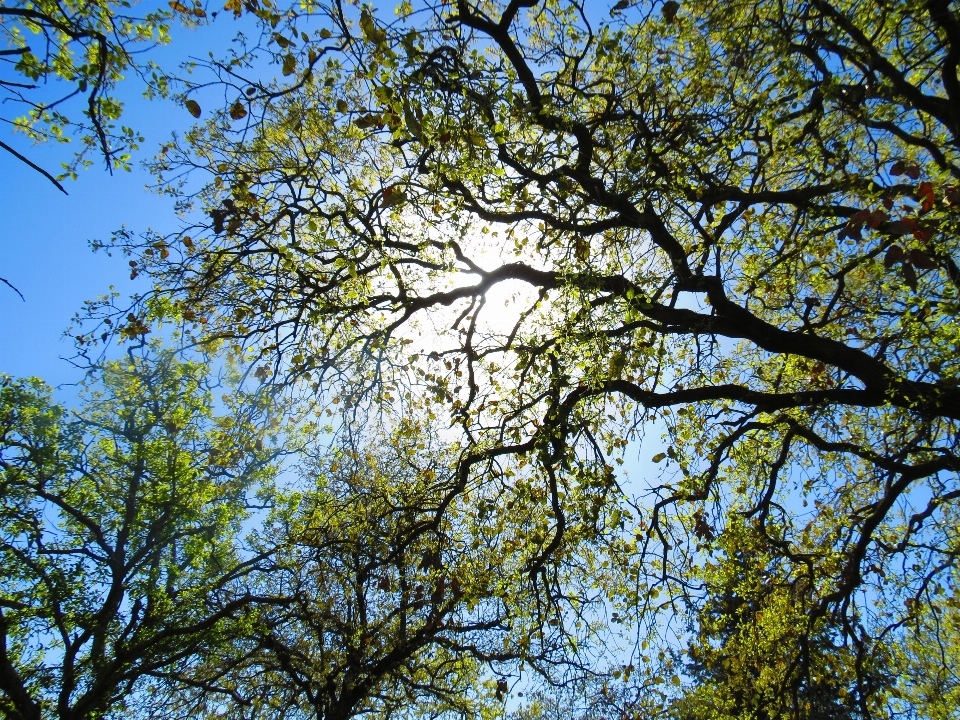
[
  {"x": 734, "y": 224},
  {"x": 926, "y": 661},
  {"x": 118, "y": 553},
  {"x": 392, "y": 609}
]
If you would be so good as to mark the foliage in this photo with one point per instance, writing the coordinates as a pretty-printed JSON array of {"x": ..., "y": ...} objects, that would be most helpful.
[
  {"x": 56, "y": 52},
  {"x": 756, "y": 654},
  {"x": 391, "y": 600},
  {"x": 732, "y": 223},
  {"x": 118, "y": 531}
]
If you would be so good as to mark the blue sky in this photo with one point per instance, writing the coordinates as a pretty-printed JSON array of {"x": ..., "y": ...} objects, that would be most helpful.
[{"x": 44, "y": 253}]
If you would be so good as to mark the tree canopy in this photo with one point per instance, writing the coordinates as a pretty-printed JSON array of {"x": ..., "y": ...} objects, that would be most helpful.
[
  {"x": 568, "y": 229},
  {"x": 385, "y": 611}
]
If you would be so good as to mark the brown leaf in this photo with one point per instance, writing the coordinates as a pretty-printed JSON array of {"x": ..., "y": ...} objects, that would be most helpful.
[
  {"x": 926, "y": 196},
  {"x": 702, "y": 528},
  {"x": 437, "y": 596},
  {"x": 904, "y": 226},
  {"x": 193, "y": 107},
  {"x": 392, "y": 197},
  {"x": 877, "y": 217},
  {"x": 898, "y": 168},
  {"x": 921, "y": 260},
  {"x": 238, "y": 111},
  {"x": 894, "y": 255},
  {"x": 581, "y": 249},
  {"x": 909, "y": 275},
  {"x": 669, "y": 10},
  {"x": 218, "y": 215},
  {"x": 852, "y": 231},
  {"x": 913, "y": 172},
  {"x": 429, "y": 560}
]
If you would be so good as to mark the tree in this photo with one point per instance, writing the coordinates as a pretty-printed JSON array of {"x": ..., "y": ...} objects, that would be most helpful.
[
  {"x": 926, "y": 661},
  {"x": 80, "y": 49},
  {"x": 752, "y": 655},
  {"x": 391, "y": 609},
  {"x": 118, "y": 532},
  {"x": 733, "y": 224}
]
